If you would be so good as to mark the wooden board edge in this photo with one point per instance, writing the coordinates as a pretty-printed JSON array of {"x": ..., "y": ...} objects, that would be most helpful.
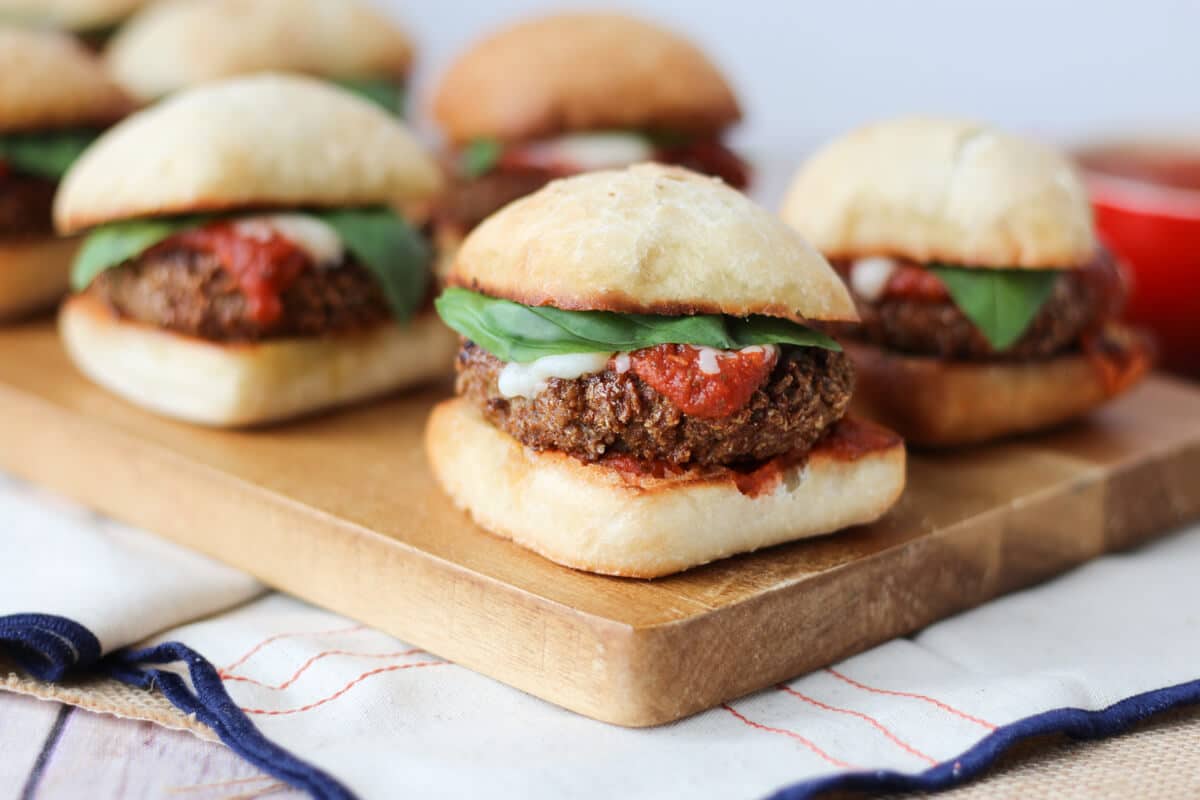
[{"x": 439, "y": 606}]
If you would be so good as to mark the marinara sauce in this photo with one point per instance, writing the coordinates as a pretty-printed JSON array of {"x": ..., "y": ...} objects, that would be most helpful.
[
  {"x": 676, "y": 372},
  {"x": 263, "y": 264}
]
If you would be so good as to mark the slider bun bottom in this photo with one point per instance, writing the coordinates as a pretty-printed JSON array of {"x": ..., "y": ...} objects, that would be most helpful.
[
  {"x": 592, "y": 518},
  {"x": 234, "y": 385},
  {"x": 34, "y": 274},
  {"x": 938, "y": 403}
]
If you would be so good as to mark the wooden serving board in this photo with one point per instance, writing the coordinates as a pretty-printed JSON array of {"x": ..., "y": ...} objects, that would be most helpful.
[{"x": 341, "y": 511}]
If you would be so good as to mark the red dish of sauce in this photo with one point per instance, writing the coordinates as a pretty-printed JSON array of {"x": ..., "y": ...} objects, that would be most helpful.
[
  {"x": 677, "y": 372},
  {"x": 1147, "y": 201},
  {"x": 264, "y": 264}
]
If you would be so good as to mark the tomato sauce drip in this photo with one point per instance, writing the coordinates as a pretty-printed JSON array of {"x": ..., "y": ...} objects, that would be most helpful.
[
  {"x": 848, "y": 440},
  {"x": 264, "y": 265},
  {"x": 710, "y": 157},
  {"x": 1119, "y": 363},
  {"x": 916, "y": 283},
  {"x": 703, "y": 155},
  {"x": 673, "y": 370}
]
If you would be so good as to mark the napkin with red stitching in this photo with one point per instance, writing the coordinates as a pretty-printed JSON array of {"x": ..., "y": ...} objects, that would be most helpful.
[{"x": 344, "y": 711}]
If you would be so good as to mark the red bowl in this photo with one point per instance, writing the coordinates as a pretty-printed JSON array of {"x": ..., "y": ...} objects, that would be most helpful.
[{"x": 1147, "y": 202}]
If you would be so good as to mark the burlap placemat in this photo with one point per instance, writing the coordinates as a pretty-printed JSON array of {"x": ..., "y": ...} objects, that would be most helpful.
[{"x": 1158, "y": 759}]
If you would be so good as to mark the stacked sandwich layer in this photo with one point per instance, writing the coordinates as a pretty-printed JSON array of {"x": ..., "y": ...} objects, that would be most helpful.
[
  {"x": 54, "y": 100},
  {"x": 987, "y": 304},
  {"x": 246, "y": 227},
  {"x": 641, "y": 385}
]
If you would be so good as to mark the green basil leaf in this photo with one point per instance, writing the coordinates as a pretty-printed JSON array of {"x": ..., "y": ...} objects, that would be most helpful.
[
  {"x": 390, "y": 249},
  {"x": 519, "y": 333},
  {"x": 385, "y": 93},
  {"x": 1001, "y": 302},
  {"x": 479, "y": 157},
  {"x": 47, "y": 154},
  {"x": 115, "y": 243},
  {"x": 773, "y": 330}
]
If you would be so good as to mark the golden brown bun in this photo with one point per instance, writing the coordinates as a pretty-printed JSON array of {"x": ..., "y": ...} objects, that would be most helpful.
[
  {"x": 596, "y": 518},
  {"x": 943, "y": 190},
  {"x": 649, "y": 239},
  {"x": 582, "y": 71},
  {"x": 179, "y": 44},
  {"x": 939, "y": 403},
  {"x": 34, "y": 274},
  {"x": 269, "y": 140},
  {"x": 74, "y": 15},
  {"x": 235, "y": 385},
  {"x": 49, "y": 80}
]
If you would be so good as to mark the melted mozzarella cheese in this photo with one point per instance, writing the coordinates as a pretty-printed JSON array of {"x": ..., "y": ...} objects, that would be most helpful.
[
  {"x": 869, "y": 277},
  {"x": 530, "y": 380},
  {"x": 708, "y": 361},
  {"x": 315, "y": 237},
  {"x": 591, "y": 151}
]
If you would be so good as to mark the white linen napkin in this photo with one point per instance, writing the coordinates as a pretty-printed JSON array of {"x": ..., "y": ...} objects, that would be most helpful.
[{"x": 365, "y": 714}]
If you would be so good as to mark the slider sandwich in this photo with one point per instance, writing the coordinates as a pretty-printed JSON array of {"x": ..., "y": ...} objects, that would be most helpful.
[
  {"x": 180, "y": 44},
  {"x": 988, "y": 307},
  {"x": 54, "y": 100},
  {"x": 570, "y": 93},
  {"x": 640, "y": 388},
  {"x": 242, "y": 263}
]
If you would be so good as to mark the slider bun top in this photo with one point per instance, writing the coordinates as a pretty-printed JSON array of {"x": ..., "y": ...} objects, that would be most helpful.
[
  {"x": 74, "y": 15},
  {"x": 940, "y": 190},
  {"x": 265, "y": 141},
  {"x": 582, "y": 71},
  {"x": 649, "y": 239},
  {"x": 49, "y": 80},
  {"x": 174, "y": 45}
]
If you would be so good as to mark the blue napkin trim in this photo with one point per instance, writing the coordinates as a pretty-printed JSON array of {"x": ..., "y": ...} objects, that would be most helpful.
[
  {"x": 212, "y": 705},
  {"x": 50, "y": 647},
  {"x": 1075, "y": 722}
]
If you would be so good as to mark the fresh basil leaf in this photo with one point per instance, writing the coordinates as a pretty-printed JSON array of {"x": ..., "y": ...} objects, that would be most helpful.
[
  {"x": 390, "y": 249},
  {"x": 47, "y": 154},
  {"x": 1001, "y": 302},
  {"x": 773, "y": 330},
  {"x": 115, "y": 243},
  {"x": 479, "y": 157},
  {"x": 382, "y": 242},
  {"x": 385, "y": 93},
  {"x": 519, "y": 333}
]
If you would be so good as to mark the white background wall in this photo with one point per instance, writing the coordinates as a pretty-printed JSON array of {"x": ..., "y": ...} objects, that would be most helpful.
[{"x": 805, "y": 70}]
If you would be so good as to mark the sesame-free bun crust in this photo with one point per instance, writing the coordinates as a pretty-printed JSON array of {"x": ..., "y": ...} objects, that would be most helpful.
[
  {"x": 49, "y": 80},
  {"x": 179, "y": 44},
  {"x": 937, "y": 403},
  {"x": 596, "y": 518},
  {"x": 74, "y": 15},
  {"x": 578, "y": 72},
  {"x": 649, "y": 239},
  {"x": 34, "y": 274},
  {"x": 237, "y": 385},
  {"x": 264, "y": 141},
  {"x": 943, "y": 190}
]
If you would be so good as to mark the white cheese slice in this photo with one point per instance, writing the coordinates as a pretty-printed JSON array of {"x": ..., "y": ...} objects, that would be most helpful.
[
  {"x": 590, "y": 151},
  {"x": 869, "y": 277},
  {"x": 315, "y": 237},
  {"x": 530, "y": 380}
]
